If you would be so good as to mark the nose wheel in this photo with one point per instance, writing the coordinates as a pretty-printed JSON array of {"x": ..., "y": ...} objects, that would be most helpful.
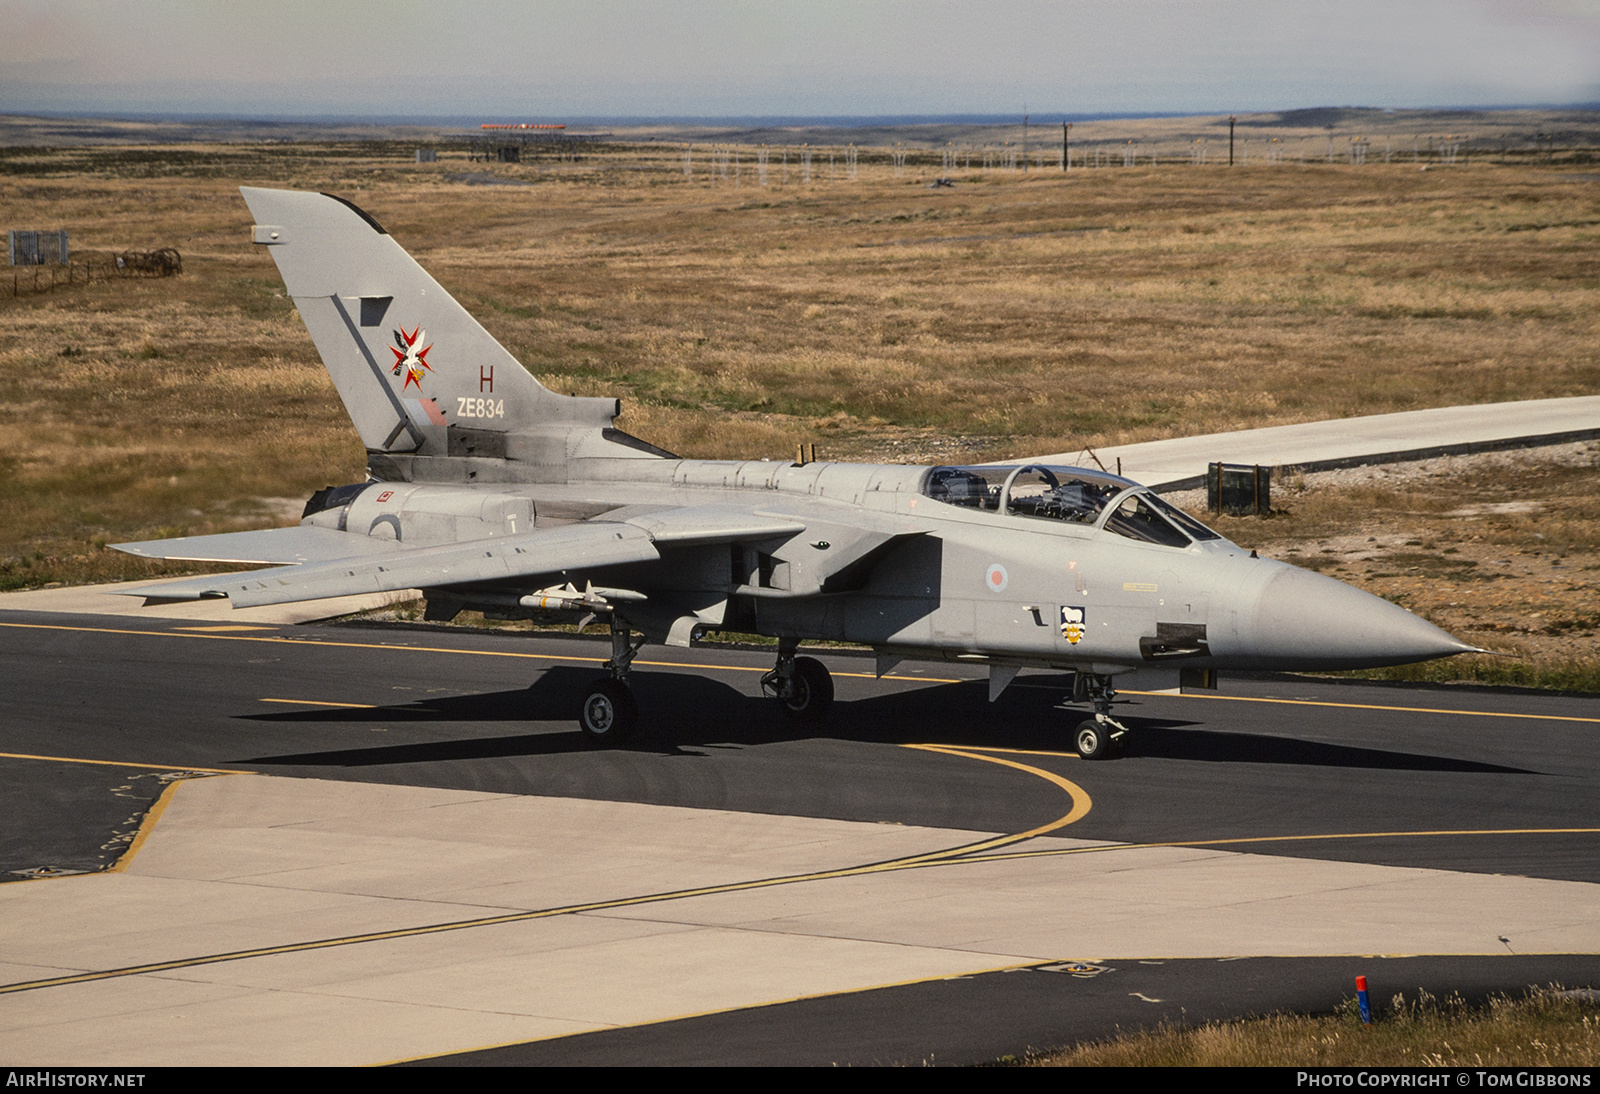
[
  {"x": 1100, "y": 737},
  {"x": 1096, "y": 740}
]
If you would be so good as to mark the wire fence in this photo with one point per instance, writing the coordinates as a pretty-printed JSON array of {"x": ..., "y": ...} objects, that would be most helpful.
[
  {"x": 31, "y": 280},
  {"x": 738, "y": 164}
]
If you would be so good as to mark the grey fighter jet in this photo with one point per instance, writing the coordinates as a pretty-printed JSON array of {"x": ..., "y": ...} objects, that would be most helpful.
[{"x": 489, "y": 492}]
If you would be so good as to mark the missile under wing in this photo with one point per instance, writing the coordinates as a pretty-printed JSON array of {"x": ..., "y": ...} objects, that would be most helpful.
[{"x": 489, "y": 492}]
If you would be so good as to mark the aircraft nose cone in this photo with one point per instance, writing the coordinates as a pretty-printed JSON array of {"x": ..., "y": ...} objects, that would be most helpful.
[{"x": 1305, "y": 620}]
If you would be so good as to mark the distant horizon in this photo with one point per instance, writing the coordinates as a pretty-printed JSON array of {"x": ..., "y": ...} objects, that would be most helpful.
[{"x": 745, "y": 120}]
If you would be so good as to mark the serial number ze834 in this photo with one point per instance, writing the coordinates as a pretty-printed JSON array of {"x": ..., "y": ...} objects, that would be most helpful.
[{"x": 480, "y": 408}]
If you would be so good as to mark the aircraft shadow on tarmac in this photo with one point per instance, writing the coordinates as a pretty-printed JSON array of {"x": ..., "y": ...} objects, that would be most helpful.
[{"x": 682, "y": 712}]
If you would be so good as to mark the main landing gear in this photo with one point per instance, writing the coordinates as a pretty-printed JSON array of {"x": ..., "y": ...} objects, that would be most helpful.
[
  {"x": 610, "y": 711},
  {"x": 801, "y": 685},
  {"x": 1100, "y": 737}
]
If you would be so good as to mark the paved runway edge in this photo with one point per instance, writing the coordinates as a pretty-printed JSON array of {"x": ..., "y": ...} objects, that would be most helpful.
[{"x": 1016, "y": 1013}]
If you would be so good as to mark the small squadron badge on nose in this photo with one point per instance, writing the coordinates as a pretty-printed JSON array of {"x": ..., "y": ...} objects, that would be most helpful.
[{"x": 1072, "y": 624}]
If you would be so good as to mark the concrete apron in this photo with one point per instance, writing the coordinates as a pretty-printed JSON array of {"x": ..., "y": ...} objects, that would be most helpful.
[{"x": 246, "y": 862}]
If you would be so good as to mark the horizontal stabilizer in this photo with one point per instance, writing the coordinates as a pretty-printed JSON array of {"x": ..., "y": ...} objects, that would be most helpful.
[{"x": 295, "y": 546}]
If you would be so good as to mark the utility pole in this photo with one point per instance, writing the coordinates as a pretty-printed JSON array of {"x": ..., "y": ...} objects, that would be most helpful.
[
  {"x": 1231, "y": 120},
  {"x": 1066, "y": 146},
  {"x": 1024, "y": 144}
]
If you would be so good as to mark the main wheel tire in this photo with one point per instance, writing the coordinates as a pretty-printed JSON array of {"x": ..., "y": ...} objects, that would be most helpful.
[
  {"x": 812, "y": 697},
  {"x": 609, "y": 713},
  {"x": 1093, "y": 740}
]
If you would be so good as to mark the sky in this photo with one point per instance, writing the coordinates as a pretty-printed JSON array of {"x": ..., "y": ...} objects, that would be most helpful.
[{"x": 546, "y": 60}]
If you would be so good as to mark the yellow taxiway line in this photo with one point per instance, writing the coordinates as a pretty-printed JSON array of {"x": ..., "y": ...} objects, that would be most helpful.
[
  {"x": 175, "y": 768},
  {"x": 744, "y": 668},
  {"x": 1234, "y": 840},
  {"x": 1371, "y": 706},
  {"x": 319, "y": 703},
  {"x": 152, "y": 815},
  {"x": 180, "y": 633},
  {"x": 146, "y": 826}
]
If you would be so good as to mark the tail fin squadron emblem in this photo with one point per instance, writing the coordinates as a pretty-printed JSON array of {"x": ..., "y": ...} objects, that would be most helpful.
[{"x": 408, "y": 358}]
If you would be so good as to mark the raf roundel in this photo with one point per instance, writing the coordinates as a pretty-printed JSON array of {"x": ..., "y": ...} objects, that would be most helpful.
[{"x": 996, "y": 578}]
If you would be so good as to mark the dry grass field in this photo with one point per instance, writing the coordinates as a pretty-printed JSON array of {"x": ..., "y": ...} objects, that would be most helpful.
[
  {"x": 1011, "y": 313},
  {"x": 1546, "y": 1028}
]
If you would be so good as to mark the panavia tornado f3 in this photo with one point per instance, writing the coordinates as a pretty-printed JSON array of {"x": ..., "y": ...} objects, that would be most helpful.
[{"x": 489, "y": 492}]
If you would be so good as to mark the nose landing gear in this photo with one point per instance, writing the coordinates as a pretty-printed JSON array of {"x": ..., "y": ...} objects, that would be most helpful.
[{"x": 1100, "y": 737}]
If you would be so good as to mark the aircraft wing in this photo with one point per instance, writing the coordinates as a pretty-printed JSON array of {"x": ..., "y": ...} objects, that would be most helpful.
[{"x": 545, "y": 551}]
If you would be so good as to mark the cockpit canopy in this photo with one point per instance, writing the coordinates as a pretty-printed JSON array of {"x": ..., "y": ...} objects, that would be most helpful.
[{"x": 1071, "y": 494}]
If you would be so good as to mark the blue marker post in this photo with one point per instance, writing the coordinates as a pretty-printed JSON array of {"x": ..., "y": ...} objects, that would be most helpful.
[{"x": 1361, "y": 997}]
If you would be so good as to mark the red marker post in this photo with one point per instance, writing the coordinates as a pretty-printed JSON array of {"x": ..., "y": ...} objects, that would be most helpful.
[{"x": 1361, "y": 998}]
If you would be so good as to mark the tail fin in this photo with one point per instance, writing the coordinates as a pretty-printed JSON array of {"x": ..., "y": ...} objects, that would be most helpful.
[{"x": 415, "y": 371}]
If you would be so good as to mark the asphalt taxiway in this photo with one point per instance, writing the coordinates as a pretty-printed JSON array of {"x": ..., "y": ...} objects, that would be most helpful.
[
  {"x": 340, "y": 843},
  {"x": 355, "y": 844}
]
